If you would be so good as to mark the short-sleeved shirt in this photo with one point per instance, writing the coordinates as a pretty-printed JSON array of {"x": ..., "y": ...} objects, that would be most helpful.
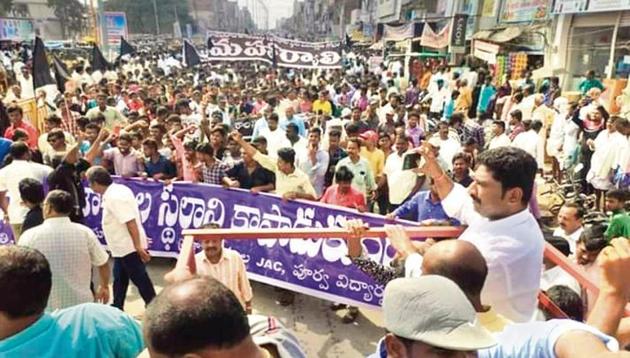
[
  {"x": 214, "y": 173},
  {"x": 297, "y": 181},
  {"x": 353, "y": 199},
  {"x": 33, "y": 218},
  {"x": 124, "y": 165},
  {"x": 324, "y": 106},
  {"x": 111, "y": 114},
  {"x": 230, "y": 271},
  {"x": 33, "y": 134},
  {"x": 71, "y": 250},
  {"x": 162, "y": 166},
  {"x": 10, "y": 177},
  {"x": 87, "y": 330},
  {"x": 259, "y": 177},
  {"x": 363, "y": 178},
  {"x": 120, "y": 207},
  {"x": 376, "y": 158}
]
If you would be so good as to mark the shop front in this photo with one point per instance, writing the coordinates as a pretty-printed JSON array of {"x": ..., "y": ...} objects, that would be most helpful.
[{"x": 597, "y": 39}]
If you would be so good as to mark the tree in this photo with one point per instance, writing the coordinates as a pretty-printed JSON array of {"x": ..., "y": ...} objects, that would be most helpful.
[
  {"x": 5, "y": 6},
  {"x": 70, "y": 14},
  {"x": 141, "y": 18}
]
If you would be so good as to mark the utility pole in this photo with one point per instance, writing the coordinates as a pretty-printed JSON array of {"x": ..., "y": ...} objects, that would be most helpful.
[{"x": 157, "y": 20}]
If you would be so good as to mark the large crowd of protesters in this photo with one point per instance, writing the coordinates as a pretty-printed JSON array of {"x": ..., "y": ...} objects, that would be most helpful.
[{"x": 448, "y": 147}]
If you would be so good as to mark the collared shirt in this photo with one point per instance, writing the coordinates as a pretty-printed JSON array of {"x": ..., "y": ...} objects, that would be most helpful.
[
  {"x": 258, "y": 177},
  {"x": 376, "y": 158},
  {"x": 474, "y": 130},
  {"x": 47, "y": 149},
  {"x": 71, "y": 250},
  {"x": 111, "y": 114},
  {"x": 353, "y": 199},
  {"x": 324, "y": 106},
  {"x": 424, "y": 208},
  {"x": 124, "y": 165},
  {"x": 363, "y": 178},
  {"x": 285, "y": 183},
  {"x": 230, "y": 271},
  {"x": 162, "y": 166},
  {"x": 87, "y": 330},
  {"x": 297, "y": 121},
  {"x": 527, "y": 141},
  {"x": 214, "y": 173},
  {"x": 335, "y": 156},
  {"x": 315, "y": 171},
  {"x": 32, "y": 132},
  {"x": 416, "y": 134},
  {"x": 501, "y": 141},
  {"x": 33, "y": 218},
  {"x": 10, "y": 178},
  {"x": 513, "y": 249},
  {"x": 275, "y": 140},
  {"x": 571, "y": 238},
  {"x": 119, "y": 207},
  {"x": 516, "y": 131}
]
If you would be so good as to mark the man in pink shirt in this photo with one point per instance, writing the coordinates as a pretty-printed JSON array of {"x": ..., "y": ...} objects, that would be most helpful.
[
  {"x": 16, "y": 117},
  {"x": 343, "y": 194},
  {"x": 127, "y": 161}
]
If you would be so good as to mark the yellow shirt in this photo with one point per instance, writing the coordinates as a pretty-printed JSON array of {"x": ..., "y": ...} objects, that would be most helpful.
[
  {"x": 493, "y": 321},
  {"x": 376, "y": 158},
  {"x": 324, "y": 106},
  {"x": 297, "y": 181}
]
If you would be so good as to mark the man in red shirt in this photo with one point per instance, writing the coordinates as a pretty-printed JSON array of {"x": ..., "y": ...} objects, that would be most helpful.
[
  {"x": 15, "y": 116},
  {"x": 342, "y": 193}
]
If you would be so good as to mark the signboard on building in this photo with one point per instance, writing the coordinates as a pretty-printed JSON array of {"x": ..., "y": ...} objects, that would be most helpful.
[
  {"x": 489, "y": 8},
  {"x": 16, "y": 30},
  {"x": 576, "y": 6},
  {"x": 434, "y": 40},
  {"x": 524, "y": 10},
  {"x": 458, "y": 33},
  {"x": 486, "y": 51},
  {"x": 115, "y": 27}
]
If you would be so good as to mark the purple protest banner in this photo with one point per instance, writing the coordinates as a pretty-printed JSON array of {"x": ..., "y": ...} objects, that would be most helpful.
[{"x": 317, "y": 267}]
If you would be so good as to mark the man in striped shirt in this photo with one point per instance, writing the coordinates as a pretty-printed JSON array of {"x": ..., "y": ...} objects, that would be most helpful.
[{"x": 226, "y": 266}]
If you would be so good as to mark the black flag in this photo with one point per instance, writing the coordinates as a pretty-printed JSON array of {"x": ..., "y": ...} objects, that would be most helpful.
[
  {"x": 190, "y": 55},
  {"x": 98, "y": 63},
  {"x": 125, "y": 47},
  {"x": 61, "y": 74},
  {"x": 349, "y": 42},
  {"x": 210, "y": 44},
  {"x": 41, "y": 70}
]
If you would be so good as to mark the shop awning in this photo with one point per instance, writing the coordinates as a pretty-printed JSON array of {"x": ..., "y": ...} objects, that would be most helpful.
[{"x": 500, "y": 35}]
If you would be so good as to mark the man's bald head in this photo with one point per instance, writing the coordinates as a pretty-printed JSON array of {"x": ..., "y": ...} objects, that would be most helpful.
[
  {"x": 459, "y": 261},
  {"x": 192, "y": 316}
]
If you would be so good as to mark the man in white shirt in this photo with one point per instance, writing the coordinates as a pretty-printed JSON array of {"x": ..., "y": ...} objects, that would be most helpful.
[
  {"x": 71, "y": 250},
  {"x": 400, "y": 182},
  {"x": 275, "y": 136},
  {"x": 448, "y": 145},
  {"x": 112, "y": 116},
  {"x": 570, "y": 222},
  {"x": 124, "y": 235},
  {"x": 528, "y": 140},
  {"x": 554, "y": 275},
  {"x": 314, "y": 161},
  {"x": 499, "y": 139},
  {"x": 495, "y": 208},
  {"x": 10, "y": 177}
]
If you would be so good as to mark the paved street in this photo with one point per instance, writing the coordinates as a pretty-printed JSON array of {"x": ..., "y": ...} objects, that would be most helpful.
[{"x": 318, "y": 328}]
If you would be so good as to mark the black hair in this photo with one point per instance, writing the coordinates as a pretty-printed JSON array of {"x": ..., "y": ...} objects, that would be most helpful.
[
  {"x": 356, "y": 141},
  {"x": 344, "y": 175},
  {"x": 53, "y": 118},
  {"x": 593, "y": 238},
  {"x": 567, "y": 300},
  {"x": 56, "y": 134},
  {"x": 18, "y": 150},
  {"x": 499, "y": 123},
  {"x": 561, "y": 244},
  {"x": 93, "y": 126},
  {"x": 150, "y": 142},
  {"x": 579, "y": 209},
  {"x": 31, "y": 191},
  {"x": 294, "y": 127},
  {"x": 210, "y": 317},
  {"x": 126, "y": 137},
  {"x": 512, "y": 167},
  {"x": 287, "y": 155},
  {"x": 315, "y": 130},
  {"x": 334, "y": 133},
  {"x": 99, "y": 175},
  {"x": 60, "y": 201},
  {"x": 457, "y": 117},
  {"x": 618, "y": 194},
  {"x": 14, "y": 108},
  {"x": 205, "y": 148},
  {"x": 25, "y": 279},
  {"x": 517, "y": 114},
  {"x": 463, "y": 156}
]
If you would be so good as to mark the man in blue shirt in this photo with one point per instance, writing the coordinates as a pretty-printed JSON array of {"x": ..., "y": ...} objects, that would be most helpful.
[
  {"x": 425, "y": 207},
  {"x": 5, "y": 144},
  {"x": 87, "y": 330},
  {"x": 156, "y": 166},
  {"x": 292, "y": 118},
  {"x": 485, "y": 97}
]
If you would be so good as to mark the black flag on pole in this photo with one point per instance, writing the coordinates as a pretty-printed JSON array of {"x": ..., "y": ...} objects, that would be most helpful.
[
  {"x": 41, "y": 70},
  {"x": 98, "y": 63},
  {"x": 61, "y": 74},
  {"x": 190, "y": 55},
  {"x": 125, "y": 47},
  {"x": 210, "y": 44}
]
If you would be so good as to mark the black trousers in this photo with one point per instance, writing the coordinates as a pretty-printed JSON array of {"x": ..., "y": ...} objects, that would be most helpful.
[{"x": 127, "y": 268}]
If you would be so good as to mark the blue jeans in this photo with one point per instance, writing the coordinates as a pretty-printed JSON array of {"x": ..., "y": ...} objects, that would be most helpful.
[{"x": 127, "y": 268}]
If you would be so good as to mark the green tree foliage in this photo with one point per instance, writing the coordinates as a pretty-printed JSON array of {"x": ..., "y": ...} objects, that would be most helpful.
[
  {"x": 141, "y": 18},
  {"x": 71, "y": 15}
]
